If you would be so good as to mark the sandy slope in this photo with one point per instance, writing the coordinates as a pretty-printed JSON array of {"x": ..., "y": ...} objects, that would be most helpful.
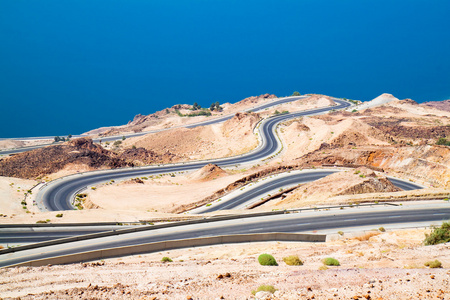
[
  {"x": 232, "y": 137},
  {"x": 160, "y": 194}
]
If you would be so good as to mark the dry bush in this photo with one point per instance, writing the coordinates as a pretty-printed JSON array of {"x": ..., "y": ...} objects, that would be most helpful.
[{"x": 367, "y": 236}]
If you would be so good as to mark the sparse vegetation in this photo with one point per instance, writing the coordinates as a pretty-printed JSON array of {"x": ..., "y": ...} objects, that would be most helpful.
[
  {"x": 329, "y": 261},
  {"x": 293, "y": 260},
  {"x": 267, "y": 260},
  {"x": 281, "y": 113},
  {"x": 59, "y": 215},
  {"x": 265, "y": 288},
  {"x": 199, "y": 113},
  {"x": 443, "y": 141},
  {"x": 295, "y": 93},
  {"x": 433, "y": 264},
  {"x": 439, "y": 235},
  {"x": 166, "y": 259},
  {"x": 382, "y": 229}
]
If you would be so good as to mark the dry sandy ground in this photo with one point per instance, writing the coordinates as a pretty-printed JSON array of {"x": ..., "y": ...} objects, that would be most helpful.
[
  {"x": 158, "y": 193},
  {"x": 11, "y": 144},
  {"x": 12, "y": 192},
  {"x": 314, "y": 101},
  {"x": 383, "y": 266}
]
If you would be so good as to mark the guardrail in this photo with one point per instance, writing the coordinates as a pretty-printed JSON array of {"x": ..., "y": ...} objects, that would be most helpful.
[
  {"x": 173, "y": 244},
  {"x": 174, "y": 224}
]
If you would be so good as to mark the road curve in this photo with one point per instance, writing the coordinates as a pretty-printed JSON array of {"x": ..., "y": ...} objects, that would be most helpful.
[
  {"x": 321, "y": 221},
  {"x": 243, "y": 198},
  {"x": 57, "y": 195}
]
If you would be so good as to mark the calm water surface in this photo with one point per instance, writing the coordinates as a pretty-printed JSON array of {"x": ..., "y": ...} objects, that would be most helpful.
[{"x": 71, "y": 66}]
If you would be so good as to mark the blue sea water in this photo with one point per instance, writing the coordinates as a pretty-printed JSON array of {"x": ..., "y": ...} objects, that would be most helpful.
[{"x": 71, "y": 66}]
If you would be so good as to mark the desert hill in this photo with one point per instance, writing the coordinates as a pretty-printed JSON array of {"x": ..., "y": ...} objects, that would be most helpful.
[
  {"x": 359, "y": 181},
  {"x": 399, "y": 137},
  {"x": 441, "y": 105},
  {"x": 208, "y": 172},
  {"x": 47, "y": 160},
  {"x": 232, "y": 137},
  {"x": 78, "y": 153},
  {"x": 178, "y": 115}
]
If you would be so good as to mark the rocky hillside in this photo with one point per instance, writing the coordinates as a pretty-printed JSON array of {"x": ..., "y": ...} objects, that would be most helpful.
[
  {"x": 359, "y": 181},
  {"x": 427, "y": 163},
  {"x": 442, "y": 105},
  {"x": 51, "y": 159},
  {"x": 399, "y": 137}
]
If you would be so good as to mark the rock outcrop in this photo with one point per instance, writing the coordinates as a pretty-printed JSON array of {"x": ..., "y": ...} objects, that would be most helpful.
[
  {"x": 359, "y": 181},
  {"x": 51, "y": 159},
  {"x": 208, "y": 172},
  {"x": 441, "y": 105}
]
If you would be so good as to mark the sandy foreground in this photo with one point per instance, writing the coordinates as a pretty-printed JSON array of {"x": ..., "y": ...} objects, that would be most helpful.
[{"x": 386, "y": 265}]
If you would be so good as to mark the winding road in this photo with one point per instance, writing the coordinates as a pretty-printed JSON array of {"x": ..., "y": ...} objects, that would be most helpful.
[{"x": 58, "y": 195}]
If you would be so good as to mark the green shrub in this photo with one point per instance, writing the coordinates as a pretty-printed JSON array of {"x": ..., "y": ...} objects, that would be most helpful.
[
  {"x": 265, "y": 288},
  {"x": 439, "y": 235},
  {"x": 329, "y": 261},
  {"x": 59, "y": 215},
  {"x": 41, "y": 222},
  {"x": 293, "y": 260},
  {"x": 295, "y": 93},
  {"x": 443, "y": 141},
  {"x": 433, "y": 264},
  {"x": 382, "y": 229},
  {"x": 166, "y": 259},
  {"x": 267, "y": 260}
]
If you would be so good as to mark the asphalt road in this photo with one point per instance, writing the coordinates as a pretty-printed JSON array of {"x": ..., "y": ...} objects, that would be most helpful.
[
  {"x": 299, "y": 222},
  {"x": 57, "y": 195},
  {"x": 289, "y": 180},
  {"x": 25, "y": 235},
  {"x": 28, "y": 234}
]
